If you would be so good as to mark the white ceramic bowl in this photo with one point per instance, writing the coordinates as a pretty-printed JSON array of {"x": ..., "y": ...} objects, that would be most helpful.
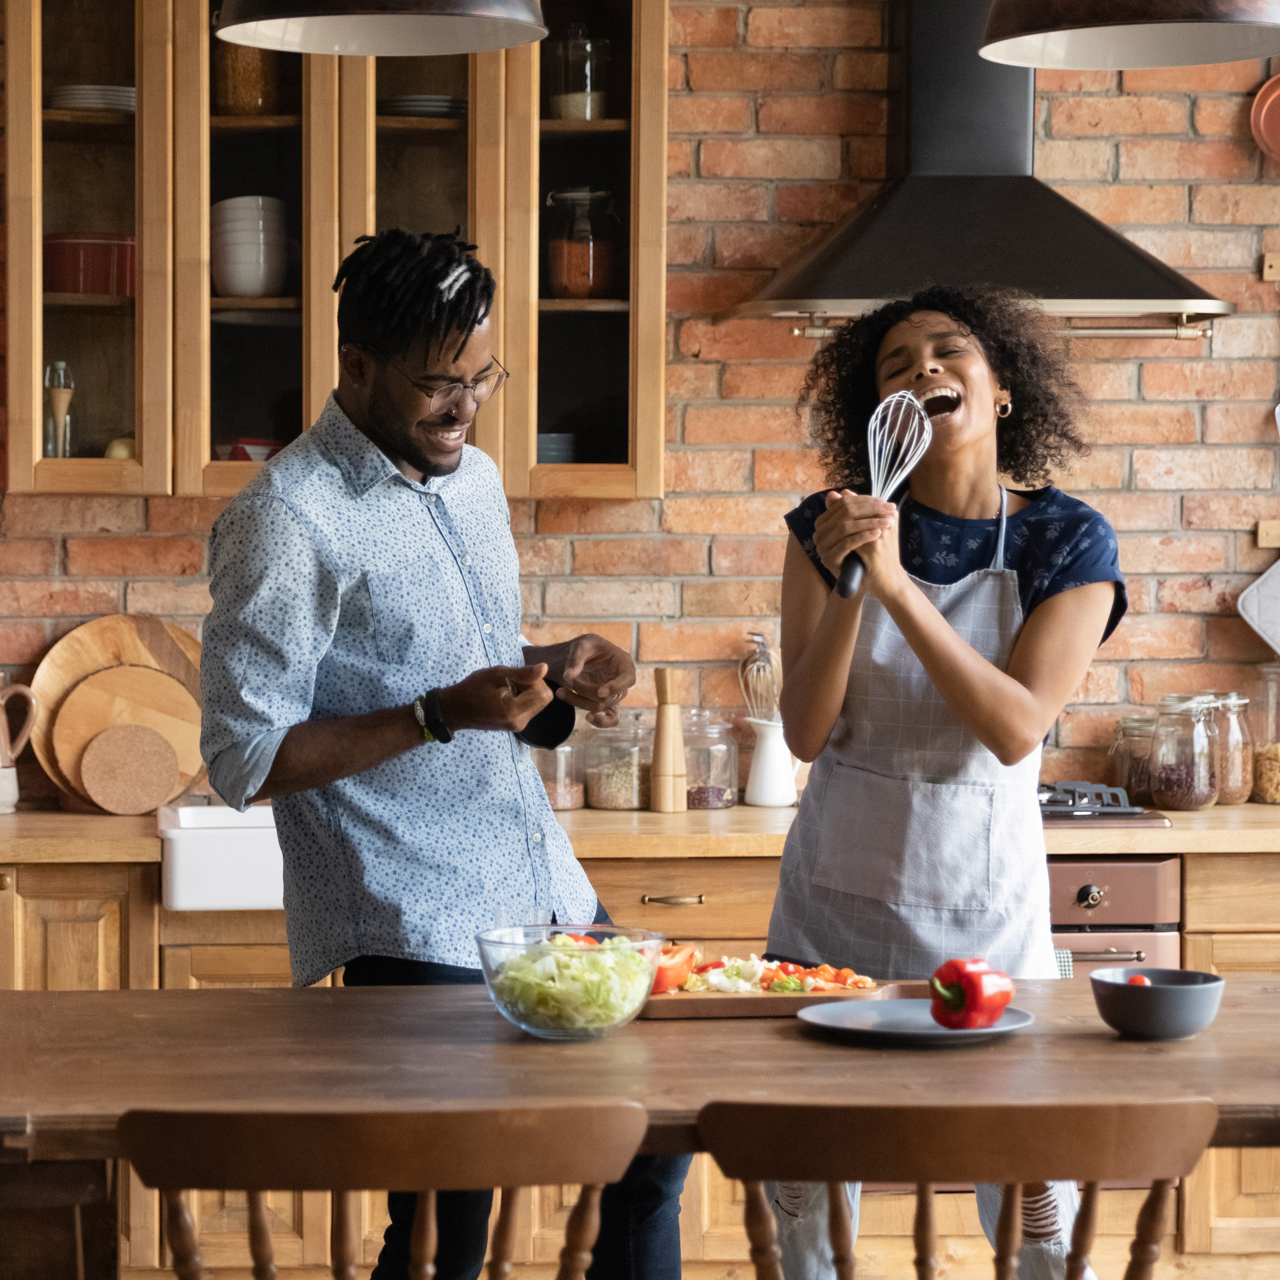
[
  {"x": 219, "y": 216},
  {"x": 250, "y": 251},
  {"x": 234, "y": 240},
  {"x": 242, "y": 203},
  {"x": 248, "y": 279},
  {"x": 247, "y": 222}
]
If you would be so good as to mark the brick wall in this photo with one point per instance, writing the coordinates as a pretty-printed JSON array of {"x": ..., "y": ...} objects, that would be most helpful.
[{"x": 777, "y": 127}]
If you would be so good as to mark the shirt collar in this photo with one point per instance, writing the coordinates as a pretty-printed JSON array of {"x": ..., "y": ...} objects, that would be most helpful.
[{"x": 362, "y": 463}]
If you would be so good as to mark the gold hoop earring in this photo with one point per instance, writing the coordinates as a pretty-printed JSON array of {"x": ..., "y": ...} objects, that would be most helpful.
[{"x": 1004, "y": 410}]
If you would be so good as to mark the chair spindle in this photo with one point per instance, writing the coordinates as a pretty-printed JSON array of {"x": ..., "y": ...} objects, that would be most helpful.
[
  {"x": 504, "y": 1234},
  {"x": 260, "y": 1250},
  {"x": 762, "y": 1233},
  {"x": 180, "y": 1231},
  {"x": 840, "y": 1222},
  {"x": 1083, "y": 1232},
  {"x": 1009, "y": 1232},
  {"x": 925, "y": 1233},
  {"x": 580, "y": 1235},
  {"x": 424, "y": 1238},
  {"x": 1144, "y": 1252},
  {"x": 344, "y": 1236}
]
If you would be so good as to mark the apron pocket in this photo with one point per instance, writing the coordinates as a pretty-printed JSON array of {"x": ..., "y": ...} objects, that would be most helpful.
[{"x": 912, "y": 844}]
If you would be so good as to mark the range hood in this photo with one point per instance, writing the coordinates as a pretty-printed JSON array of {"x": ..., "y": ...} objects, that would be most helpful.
[{"x": 961, "y": 205}]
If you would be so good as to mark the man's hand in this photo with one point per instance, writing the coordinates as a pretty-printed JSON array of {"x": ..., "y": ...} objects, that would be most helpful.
[
  {"x": 502, "y": 698},
  {"x": 592, "y": 673}
]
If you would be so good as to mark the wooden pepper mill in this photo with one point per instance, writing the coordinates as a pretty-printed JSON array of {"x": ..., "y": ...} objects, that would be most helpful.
[{"x": 668, "y": 787}]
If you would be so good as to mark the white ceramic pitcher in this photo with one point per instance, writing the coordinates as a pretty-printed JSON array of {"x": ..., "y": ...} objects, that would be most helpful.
[{"x": 771, "y": 784}]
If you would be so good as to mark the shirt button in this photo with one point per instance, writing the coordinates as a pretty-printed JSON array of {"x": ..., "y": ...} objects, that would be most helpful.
[
  {"x": 486, "y": 628},
  {"x": 431, "y": 497},
  {"x": 466, "y": 559},
  {"x": 537, "y": 837}
]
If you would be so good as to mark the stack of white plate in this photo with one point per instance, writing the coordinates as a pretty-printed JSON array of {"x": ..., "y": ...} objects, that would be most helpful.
[
  {"x": 436, "y": 106},
  {"x": 93, "y": 97},
  {"x": 248, "y": 247}
]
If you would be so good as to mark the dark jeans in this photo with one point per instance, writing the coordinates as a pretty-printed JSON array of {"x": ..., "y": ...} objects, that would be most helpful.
[{"x": 639, "y": 1216}]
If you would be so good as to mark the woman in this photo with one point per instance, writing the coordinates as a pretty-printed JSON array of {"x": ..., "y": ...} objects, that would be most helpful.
[{"x": 924, "y": 699}]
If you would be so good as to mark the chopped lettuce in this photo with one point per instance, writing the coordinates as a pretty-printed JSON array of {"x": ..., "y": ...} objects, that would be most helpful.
[
  {"x": 565, "y": 984},
  {"x": 737, "y": 975}
]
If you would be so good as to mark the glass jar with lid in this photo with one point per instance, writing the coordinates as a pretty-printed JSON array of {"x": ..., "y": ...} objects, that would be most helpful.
[
  {"x": 1265, "y": 718},
  {"x": 710, "y": 760},
  {"x": 581, "y": 232},
  {"x": 563, "y": 771},
  {"x": 1131, "y": 757},
  {"x": 618, "y": 764},
  {"x": 575, "y": 71},
  {"x": 1184, "y": 752},
  {"x": 1235, "y": 747}
]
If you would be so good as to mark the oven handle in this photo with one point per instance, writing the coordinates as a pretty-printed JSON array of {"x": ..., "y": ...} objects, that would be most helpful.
[{"x": 1134, "y": 957}]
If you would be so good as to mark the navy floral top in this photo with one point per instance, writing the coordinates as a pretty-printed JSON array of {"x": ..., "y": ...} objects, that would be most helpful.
[{"x": 1054, "y": 543}]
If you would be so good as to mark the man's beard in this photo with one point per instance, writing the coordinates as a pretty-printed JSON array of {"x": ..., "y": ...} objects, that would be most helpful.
[{"x": 396, "y": 436}]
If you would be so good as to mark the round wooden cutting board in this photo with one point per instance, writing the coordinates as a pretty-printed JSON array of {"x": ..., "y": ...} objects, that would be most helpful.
[
  {"x": 135, "y": 639},
  {"x": 129, "y": 768},
  {"x": 128, "y": 696}
]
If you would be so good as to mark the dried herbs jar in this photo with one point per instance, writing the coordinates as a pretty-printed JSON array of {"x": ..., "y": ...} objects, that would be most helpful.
[
  {"x": 710, "y": 761},
  {"x": 1131, "y": 757},
  {"x": 1184, "y": 753},
  {"x": 619, "y": 763}
]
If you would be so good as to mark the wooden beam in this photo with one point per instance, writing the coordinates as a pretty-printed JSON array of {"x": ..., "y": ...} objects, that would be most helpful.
[{"x": 319, "y": 232}]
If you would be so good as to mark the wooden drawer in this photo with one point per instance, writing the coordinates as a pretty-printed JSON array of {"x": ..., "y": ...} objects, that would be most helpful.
[
  {"x": 736, "y": 894},
  {"x": 1232, "y": 893}
]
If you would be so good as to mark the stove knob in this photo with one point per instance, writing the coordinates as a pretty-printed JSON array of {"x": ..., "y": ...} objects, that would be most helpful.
[{"x": 1089, "y": 896}]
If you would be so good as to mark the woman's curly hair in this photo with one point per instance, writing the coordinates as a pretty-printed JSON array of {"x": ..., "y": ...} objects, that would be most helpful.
[{"x": 1027, "y": 359}]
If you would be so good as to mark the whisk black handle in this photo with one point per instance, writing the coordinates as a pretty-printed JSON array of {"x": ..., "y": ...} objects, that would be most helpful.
[{"x": 850, "y": 575}]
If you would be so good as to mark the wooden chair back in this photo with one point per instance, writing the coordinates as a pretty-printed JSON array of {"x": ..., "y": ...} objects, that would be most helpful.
[
  {"x": 1156, "y": 1142},
  {"x": 452, "y": 1147}
]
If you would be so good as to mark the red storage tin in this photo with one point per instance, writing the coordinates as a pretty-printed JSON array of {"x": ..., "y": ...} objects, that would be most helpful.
[{"x": 92, "y": 262}]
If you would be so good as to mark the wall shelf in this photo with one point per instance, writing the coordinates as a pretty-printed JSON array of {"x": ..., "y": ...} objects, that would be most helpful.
[
  {"x": 255, "y": 304},
  {"x": 252, "y": 124},
  {"x": 89, "y": 301},
  {"x": 420, "y": 124},
  {"x": 583, "y": 304},
  {"x": 559, "y": 128},
  {"x": 90, "y": 125}
]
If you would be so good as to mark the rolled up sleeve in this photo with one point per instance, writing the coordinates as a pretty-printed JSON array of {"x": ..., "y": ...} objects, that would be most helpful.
[{"x": 275, "y": 608}]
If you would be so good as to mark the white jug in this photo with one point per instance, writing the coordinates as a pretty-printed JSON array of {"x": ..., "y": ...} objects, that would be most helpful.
[{"x": 771, "y": 783}]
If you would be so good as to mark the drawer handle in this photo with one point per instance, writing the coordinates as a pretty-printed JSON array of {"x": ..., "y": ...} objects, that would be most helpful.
[
  {"x": 645, "y": 900},
  {"x": 1135, "y": 957}
]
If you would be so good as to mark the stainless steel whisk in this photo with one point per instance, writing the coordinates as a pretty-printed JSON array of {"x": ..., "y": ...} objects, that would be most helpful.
[{"x": 898, "y": 435}]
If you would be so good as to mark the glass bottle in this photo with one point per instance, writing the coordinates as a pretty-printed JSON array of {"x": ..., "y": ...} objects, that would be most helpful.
[
  {"x": 576, "y": 71},
  {"x": 562, "y": 772},
  {"x": 59, "y": 388},
  {"x": 1265, "y": 715},
  {"x": 1184, "y": 752},
  {"x": 1132, "y": 757},
  {"x": 582, "y": 228},
  {"x": 1235, "y": 748},
  {"x": 618, "y": 764},
  {"x": 710, "y": 761}
]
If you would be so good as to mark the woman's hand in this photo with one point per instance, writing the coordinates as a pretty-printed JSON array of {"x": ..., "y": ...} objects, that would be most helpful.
[{"x": 856, "y": 522}]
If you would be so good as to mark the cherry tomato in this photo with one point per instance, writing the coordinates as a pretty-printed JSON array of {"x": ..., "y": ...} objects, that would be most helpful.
[
  {"x": 1139, "y": 981},
  {"x": 789, "y": 970},
  {"x": 674, "y": 966}
]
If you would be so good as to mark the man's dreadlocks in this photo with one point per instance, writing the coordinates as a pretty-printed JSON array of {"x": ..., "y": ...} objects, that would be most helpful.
[{"x": 396, "y": 285}]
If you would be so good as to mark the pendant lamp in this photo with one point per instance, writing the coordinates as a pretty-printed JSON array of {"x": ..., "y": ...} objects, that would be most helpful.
[
  {"x": 1119, "y": 35},
  {"x": 381, "y": 27}
]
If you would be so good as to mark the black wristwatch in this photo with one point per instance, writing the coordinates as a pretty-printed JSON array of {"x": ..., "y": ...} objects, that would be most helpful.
[{"x": 431, "y": 718}]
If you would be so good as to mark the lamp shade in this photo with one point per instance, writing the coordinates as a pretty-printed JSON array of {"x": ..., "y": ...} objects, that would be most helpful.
[
  {"x": 381, "y": 28},
  {"x": 1118, "y": 35}
]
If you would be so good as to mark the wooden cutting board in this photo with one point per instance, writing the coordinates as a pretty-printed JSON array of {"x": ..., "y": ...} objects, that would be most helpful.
[
  {"x": 764, "y": 1004},
  {"x": 128, "y": 695},
  {"x": 119, "y": 639}
]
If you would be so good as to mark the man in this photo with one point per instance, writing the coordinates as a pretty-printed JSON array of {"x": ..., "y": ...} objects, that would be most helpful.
[{"x": 363, "y": 669}]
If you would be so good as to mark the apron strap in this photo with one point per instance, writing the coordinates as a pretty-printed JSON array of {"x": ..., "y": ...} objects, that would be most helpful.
[{"x": 998, "y": 562}]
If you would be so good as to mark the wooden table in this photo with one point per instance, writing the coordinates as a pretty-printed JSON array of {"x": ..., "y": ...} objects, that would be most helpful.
[{"x": 73, "y": 1063}]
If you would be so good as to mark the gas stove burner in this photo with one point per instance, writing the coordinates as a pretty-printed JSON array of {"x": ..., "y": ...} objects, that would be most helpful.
[{"x": 1085, "y": 800}]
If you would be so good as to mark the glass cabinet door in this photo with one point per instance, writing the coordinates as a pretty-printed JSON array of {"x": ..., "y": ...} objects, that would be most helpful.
[
  {"x": 89, "y": 141},
  {"x": 255, "y": 247},
  {"x": 587, "y": 161}
]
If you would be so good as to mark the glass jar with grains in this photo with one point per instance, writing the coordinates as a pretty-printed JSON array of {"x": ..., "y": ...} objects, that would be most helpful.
[
  {"x": 562, "y": 771},
  {"x": 1184, "y": 752},
  {"x": 619, "y": 762},
  {"x": 1131, "y": 757},
  {"x": 1265, "y": 718},
  {"x": 710, "y": 761},
  {"x": 1235, "y": 747}
]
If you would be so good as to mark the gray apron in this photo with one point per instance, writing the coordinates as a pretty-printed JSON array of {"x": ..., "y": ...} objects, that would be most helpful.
[{"x": 913, "y": 844}]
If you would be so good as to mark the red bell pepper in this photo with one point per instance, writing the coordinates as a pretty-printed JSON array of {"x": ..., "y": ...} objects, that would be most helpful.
[{"x": 969, "y": 993}]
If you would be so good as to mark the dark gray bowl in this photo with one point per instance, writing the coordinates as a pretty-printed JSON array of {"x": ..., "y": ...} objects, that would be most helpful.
[{"x": 1178, "y": 1003}]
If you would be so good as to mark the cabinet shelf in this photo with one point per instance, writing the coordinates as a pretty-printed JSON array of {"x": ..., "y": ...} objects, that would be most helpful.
[
  {"x": 419, "y": 124},
  {"x": 89, "y": 125},
  {"x": 89, "y": 301},
  {"x": 559, "y": 128},
  {"x": 255, "y": 304},
  {"x": 583, "y": 304},
  {"x": 252, "y": 124}
]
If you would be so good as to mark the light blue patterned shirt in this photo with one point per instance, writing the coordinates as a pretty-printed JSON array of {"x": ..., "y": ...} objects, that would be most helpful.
[{"x": 341, "y": 587}]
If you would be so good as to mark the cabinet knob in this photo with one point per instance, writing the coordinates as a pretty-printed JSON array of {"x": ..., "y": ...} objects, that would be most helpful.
[
  {"x": 6, "y": 882},
  {"x": 1089, "y": 896},
  {"x": 697, "y": 901}
]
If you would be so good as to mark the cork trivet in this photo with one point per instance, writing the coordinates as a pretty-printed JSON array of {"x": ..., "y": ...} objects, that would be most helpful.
[{"x": 129, "y": 768}]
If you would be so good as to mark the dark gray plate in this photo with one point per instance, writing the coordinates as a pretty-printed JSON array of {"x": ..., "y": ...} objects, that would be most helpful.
[{"x": 904, "y": 1024}]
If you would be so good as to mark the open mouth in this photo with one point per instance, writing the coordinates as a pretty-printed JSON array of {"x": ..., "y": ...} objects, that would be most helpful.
[{"x": 939, "y": 401}]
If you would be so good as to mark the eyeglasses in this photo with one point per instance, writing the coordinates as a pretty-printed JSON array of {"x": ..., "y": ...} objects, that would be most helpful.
[{"x": 444, "y": 399}]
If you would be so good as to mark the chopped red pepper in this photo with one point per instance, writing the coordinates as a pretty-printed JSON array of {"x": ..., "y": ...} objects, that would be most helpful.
[
  {"x": 969, "y": 993},
  {"x": 706, "y": 968}
]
